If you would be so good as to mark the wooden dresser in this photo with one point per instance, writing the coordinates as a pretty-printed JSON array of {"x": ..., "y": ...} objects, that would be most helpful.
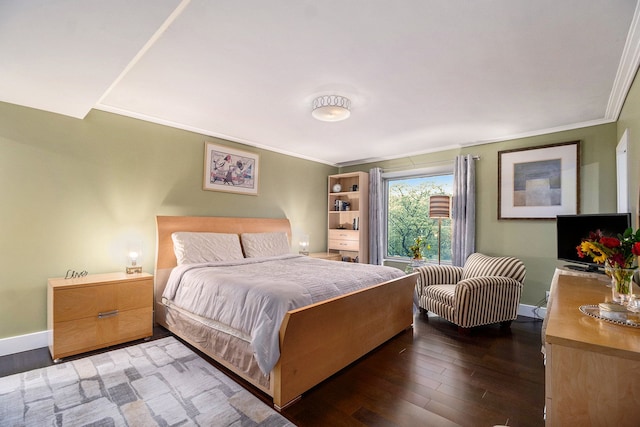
[
  {"x": 97, "y": 311},
  {"x": 592, "y": 373}
]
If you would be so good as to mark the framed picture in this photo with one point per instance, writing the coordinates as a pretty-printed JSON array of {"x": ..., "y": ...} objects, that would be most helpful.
[
  {"x": 539, "y": 182},
  {"x": 230, "y": 170}
]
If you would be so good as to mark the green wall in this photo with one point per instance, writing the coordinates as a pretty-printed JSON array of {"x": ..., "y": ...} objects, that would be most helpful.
[
  {"x": 630, "y": 120},
  {"x": 75, "y": 192},
  {"x": 533, "y": 241}
]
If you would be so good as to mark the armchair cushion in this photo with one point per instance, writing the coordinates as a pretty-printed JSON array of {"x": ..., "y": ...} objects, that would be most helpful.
[
  {"x": 479, "y": 265},
  {"x": 438, "y": 275}
]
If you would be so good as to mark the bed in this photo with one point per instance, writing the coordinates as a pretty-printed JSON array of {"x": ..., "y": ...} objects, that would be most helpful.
[{"x": 314, "y": 341}]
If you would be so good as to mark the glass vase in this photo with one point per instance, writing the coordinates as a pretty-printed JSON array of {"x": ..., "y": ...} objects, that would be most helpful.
[{"x": 620, "y": 283}]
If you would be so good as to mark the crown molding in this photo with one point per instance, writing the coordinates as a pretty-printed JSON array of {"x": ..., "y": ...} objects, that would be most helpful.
[{"x": 626, "y": 69}]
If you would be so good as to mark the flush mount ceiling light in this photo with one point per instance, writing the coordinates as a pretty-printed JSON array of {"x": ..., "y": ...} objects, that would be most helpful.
[{"x": 331, "y": 108}]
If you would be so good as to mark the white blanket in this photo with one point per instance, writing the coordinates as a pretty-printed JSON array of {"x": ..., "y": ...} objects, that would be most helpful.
[{"x": 253, "y": 295}]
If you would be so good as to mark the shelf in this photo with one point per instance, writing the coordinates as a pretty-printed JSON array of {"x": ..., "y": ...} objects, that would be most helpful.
[
  {"x": 342, "y": 238},
  {"x": 339, "y": 212},
  {"x": 343, "y": 193}
]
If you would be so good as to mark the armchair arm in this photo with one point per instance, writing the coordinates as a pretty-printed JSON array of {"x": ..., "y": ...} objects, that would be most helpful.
[
  {"x": 437, "y": 275},
  {"x": 485, "y": 300}
]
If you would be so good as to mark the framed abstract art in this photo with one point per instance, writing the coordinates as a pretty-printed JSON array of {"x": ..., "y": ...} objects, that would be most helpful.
[{"x": 539, "y": 182}]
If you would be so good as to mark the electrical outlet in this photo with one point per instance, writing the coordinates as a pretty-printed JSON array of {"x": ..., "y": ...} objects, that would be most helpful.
[{"x": 546, "y": 296}]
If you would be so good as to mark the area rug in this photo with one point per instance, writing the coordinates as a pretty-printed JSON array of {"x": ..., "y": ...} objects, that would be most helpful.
[{"x": 156, "y": 383}]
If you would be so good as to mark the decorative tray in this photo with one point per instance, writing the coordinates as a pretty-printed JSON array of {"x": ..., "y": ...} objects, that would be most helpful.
[{"x": 631, "y": 319}]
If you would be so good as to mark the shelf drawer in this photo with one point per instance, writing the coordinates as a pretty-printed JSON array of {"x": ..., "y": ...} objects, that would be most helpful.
[
  {"x": 343, "y": 245},
  {"x": 344, "y": 235}
]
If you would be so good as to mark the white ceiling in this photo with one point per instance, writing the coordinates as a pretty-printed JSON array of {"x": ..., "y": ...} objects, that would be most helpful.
[{"x": 422, "y": 75}]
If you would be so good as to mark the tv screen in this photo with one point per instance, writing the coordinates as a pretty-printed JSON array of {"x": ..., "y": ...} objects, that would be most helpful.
[{"x": 571, "y": 229}]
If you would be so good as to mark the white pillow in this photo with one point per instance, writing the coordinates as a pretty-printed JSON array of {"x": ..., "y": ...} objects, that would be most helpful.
[
  {"x": 193, "y": 248},
  {"x": 257, "y": 245}
]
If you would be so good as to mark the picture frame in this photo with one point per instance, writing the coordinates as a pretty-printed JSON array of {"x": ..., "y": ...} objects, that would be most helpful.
[
  {"x": 230, "y": 170},
  {"x": 539, "y": 182}
]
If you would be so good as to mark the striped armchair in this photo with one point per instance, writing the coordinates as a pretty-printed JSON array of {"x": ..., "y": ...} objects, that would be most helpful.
[{"x": 486, "y": 290}]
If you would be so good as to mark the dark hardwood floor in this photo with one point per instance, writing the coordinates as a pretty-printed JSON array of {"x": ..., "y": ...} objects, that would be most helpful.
[
  {"x": 427, "y": 376},
  {"x": 433, "y": 376}
]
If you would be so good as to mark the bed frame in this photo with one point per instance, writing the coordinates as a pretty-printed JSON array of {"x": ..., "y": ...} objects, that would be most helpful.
[{"x": 315, "y": 341}]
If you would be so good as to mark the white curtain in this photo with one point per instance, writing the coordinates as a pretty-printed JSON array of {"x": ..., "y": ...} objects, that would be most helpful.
[
  {"x": 463, "y": 212},
  {"x": 376, "y": 215}
]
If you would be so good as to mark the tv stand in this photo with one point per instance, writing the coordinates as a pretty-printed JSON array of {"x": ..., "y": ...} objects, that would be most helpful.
[{"x": 585, "y": 268}]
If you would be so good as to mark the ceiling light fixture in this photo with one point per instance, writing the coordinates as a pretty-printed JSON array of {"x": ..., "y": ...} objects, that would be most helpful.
[{"x": 331, "y": 108}]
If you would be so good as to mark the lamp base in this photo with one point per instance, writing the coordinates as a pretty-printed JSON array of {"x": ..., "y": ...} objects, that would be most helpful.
[{"x": 134, "y": 270}]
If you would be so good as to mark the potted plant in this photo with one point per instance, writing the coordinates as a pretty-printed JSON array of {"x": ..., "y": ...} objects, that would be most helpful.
[{"x": 415, "y": 250}]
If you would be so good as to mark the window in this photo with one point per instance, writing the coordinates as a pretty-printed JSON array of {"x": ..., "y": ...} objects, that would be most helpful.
[{"x": 407, "y": 201}]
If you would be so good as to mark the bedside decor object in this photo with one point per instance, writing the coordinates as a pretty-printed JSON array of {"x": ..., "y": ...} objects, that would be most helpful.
[
  {"x": 439, "y": 207},
  {"x": 331, "y": 108},
  {"x": 539, "y": 182},
  {"x": 133, "y": 256},
  {"x": 72, "y": 274},
  {"x": 304, "y": 244},
  {"x": 133, "y": 266},
  {"x": 618, "y": 255},
  {"x": 230, "y": 170}
]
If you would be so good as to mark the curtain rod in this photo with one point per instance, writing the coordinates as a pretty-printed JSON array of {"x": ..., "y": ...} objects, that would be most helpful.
[{"x": 423, "y": 165}]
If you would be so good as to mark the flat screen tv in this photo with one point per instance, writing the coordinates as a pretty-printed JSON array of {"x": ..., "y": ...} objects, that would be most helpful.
[{"x": 571, "y": 229}]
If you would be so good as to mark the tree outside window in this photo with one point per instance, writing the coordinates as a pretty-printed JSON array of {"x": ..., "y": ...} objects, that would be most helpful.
[{"x": 408, "y": 217}]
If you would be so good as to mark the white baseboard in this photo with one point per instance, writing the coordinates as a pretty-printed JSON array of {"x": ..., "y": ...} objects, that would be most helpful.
[
  {"x": 532, "y": 311},
  {"x": 22, "y": 343}
]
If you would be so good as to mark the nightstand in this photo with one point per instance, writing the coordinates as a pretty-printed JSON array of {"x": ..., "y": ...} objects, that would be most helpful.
[
  {"x": 98, "y": 310},
  {"x": 332, "y": 256}
]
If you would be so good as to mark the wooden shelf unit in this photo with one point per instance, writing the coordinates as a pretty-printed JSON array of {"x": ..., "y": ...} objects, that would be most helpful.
[
  {"x": 342, "y": 239},
  {"x": 97, "y": 311}
]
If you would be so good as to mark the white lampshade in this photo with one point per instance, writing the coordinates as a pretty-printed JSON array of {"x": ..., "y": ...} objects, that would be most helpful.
[
  {"x": 304, "y": 244},
  {"x": 331, "y": 108}
]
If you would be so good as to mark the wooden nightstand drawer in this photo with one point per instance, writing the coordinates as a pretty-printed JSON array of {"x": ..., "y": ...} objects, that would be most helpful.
[
  {"x": 83, "y": 302},
  {"x": 135, "y": 323},
  {"x": 331, "y": 256},
  {"x": 97, "y": 311}
]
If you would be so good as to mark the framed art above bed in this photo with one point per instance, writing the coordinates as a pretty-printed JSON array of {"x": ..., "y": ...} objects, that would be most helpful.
[{"x": 230, "y": 170}]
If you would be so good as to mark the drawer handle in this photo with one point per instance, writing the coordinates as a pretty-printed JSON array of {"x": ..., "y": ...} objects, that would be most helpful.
[{"x": 107, "y": 314}]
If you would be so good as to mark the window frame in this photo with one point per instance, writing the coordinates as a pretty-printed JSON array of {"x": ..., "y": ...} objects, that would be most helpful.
[{"x": 444, "y": 169}]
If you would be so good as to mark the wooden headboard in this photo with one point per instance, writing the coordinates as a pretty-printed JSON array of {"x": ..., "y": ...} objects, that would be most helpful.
[{"x": 166, "y": 225}]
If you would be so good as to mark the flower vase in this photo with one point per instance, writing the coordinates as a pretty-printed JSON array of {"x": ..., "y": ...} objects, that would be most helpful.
[
  {"x": 620, "y": 283},
  {"x": 415, "y": 263}
]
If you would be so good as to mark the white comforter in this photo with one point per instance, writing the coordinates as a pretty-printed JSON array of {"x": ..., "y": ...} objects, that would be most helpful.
[{"x": 253, "y": 295}]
